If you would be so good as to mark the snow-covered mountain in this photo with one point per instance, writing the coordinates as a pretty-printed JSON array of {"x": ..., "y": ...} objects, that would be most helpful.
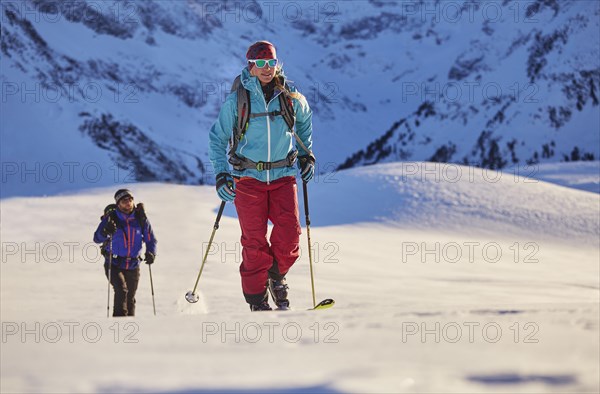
[
  {"x": 97, "y": 93},
  {"x": 517, "y": 88}
]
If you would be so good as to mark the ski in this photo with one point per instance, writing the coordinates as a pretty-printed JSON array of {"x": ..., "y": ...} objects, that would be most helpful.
[{"x": 325, "y": 304}]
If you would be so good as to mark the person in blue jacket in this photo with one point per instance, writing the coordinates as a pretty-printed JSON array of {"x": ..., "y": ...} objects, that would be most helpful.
[
  {"x": 128, "y": 227},
  {"x": 262, "y": 182}
]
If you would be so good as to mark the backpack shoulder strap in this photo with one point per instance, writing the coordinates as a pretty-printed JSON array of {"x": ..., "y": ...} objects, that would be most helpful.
[
  {"x": 287, "y": 108},
  {"x": 289, "y": 115},
  {"x": 243, "y": 113}
]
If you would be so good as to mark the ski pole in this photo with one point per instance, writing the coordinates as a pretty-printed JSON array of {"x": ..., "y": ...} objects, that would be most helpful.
[
  {"x": 152, "y": 289},
  {"x": 109, "y": 268},
  {"x": 191, "y": 296},
  {"x": 312, "y": 280}
]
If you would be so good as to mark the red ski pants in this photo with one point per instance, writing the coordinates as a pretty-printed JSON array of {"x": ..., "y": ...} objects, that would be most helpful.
[{"x": 257, "y": 202}]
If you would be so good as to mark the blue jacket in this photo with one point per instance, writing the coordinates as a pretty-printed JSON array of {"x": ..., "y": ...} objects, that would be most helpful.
[
  {"x": 127, "y": 240},
  {"x": 266, "y": 140}
]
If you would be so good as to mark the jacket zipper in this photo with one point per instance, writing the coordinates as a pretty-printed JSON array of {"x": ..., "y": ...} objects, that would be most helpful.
[
  {"x": 128, "y": 245},
  {"x": 128, "y": 239},
  {"x": 268, "y": 132}
]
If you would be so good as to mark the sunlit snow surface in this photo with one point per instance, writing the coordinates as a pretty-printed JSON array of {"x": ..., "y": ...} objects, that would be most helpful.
[{"x": 485, "y": 282}]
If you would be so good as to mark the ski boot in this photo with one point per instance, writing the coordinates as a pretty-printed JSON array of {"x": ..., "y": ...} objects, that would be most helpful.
[
  {"x": 263, "y": 306},
  {"x": 279, "y": 292}
]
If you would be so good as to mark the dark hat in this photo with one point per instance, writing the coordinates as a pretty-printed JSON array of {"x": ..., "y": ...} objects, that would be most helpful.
[
  {"x": 121, "y": 193},
  {"x": 261, "y": 50}
]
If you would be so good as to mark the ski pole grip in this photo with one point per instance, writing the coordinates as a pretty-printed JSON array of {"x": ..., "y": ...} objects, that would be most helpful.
[
  {"x": 221, "y": 208},
  {"x": 305, "y": 192}
]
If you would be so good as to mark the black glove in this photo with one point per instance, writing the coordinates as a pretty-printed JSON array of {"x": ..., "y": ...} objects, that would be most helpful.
[
  {"x": 225, "y": 187},
  {"x": 307, "y": 167},
  {"x": 110, "y": 227},
  {"x": 149, "y": 258}
]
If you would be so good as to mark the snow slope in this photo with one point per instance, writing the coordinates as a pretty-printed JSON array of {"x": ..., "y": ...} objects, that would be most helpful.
[
  {"x": 580, "y": 175},
  {"x": 463, "y": 286},
  {"x": 137, "y": 85}
]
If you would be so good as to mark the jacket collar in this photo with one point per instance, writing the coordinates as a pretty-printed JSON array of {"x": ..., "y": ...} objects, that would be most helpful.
[{"x": 124, "y": 216}]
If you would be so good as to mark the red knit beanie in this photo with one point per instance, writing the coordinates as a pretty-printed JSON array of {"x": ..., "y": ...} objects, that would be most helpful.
[{"x": 261, "y": 50}]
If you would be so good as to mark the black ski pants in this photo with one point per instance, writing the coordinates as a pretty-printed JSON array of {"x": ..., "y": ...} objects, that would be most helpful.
[{"x": 125, "y": 284}]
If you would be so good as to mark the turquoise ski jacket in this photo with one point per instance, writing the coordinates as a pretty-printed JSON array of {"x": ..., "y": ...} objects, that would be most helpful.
[{"x": 267, "y": 139}]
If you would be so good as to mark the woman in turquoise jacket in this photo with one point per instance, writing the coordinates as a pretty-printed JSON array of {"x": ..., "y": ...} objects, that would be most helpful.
[{"x": 262, "y": 182}]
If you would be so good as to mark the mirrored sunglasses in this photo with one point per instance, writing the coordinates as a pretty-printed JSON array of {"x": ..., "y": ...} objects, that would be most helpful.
[{"x": 261, "y": 63}]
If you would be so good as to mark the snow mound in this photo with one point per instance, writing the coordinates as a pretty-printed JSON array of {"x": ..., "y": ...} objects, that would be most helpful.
[{"x": 452, "y": 197}]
